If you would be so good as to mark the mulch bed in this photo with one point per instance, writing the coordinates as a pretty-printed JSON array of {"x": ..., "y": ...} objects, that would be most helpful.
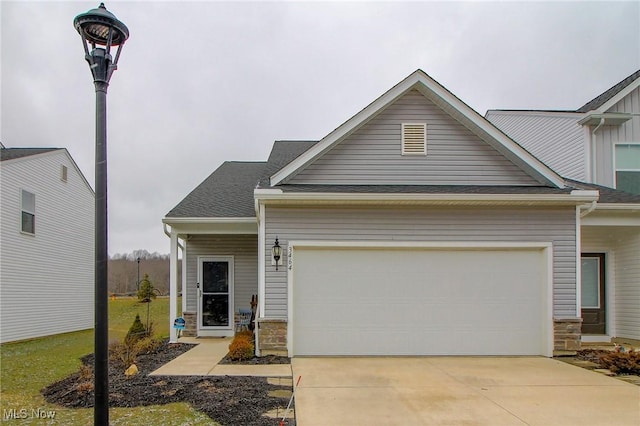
[
  {"x": 263, "y": 360},
  {"x": 227, "y": 400}
]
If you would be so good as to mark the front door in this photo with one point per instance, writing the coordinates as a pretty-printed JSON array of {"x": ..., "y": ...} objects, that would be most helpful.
[
  {"x": 215, "y": 293},
  {"x": 593, "y": 294}
]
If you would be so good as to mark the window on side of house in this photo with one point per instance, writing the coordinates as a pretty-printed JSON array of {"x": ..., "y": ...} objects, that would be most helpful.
[
  {"x": 627, "y": 162},
  {"x": 28, "y": 219},
  {"x": 414, "y": 139},
  {"x": 64, "y": 173}
]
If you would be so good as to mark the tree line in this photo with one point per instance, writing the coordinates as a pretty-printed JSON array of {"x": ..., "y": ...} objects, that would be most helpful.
[{"x": 124, "y": 276}]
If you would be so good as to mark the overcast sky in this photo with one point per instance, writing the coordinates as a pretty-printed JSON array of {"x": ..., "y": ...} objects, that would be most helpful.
[{"x": 199, "y": 83}]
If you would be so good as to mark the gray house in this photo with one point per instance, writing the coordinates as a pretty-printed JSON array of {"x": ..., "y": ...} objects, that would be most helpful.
[
  {"x": 414, "y": 228},
  {"x": 599, "y": 143}
]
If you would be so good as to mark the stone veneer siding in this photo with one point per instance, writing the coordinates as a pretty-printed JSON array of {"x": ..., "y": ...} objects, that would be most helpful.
[
  {"x": 566, "y": 335},
  {"x": 272, "y": 336},
  {"x": 190, "y": 329}
]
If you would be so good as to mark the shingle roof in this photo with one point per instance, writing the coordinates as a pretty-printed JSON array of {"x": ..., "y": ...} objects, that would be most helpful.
[
  {"x": 227, "y": 192},
  {"x": 13, "y": 153},
  {"x": 282, "y": 153},
  {"x": 600, "y": 100},
  {"x": 607, "y": 195}
]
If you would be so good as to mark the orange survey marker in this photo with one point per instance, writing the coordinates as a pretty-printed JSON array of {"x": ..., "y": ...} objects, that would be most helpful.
[{"x": 282, "y": 423}]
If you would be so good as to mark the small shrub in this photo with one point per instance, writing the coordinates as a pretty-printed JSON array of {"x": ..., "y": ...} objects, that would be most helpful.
[
  {"x": 86, "y": 372},
  {"x": 621, "y": 362},
  {"x": 136, "y": 332},
  {"x": 146, "y": 345},
  {"x": 147, "y": 291},
  {"x": 245, "y": 333},
  {"x": 122, "y": 353},
  {"x": 241, "y": 347},
  {"x": 85, "y": 387}
]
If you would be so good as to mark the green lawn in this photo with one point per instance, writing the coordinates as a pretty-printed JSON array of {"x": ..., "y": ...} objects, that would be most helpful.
[{"x": 26, "y": 367}]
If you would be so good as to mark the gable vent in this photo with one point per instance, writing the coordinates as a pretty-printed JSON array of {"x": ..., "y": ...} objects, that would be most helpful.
[{"x": 414, "y": 138}]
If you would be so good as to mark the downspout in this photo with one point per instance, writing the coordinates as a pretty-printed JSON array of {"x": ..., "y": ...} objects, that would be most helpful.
[
  {"x": 580, "y": 213},
  {"x": 593, "y": 149},
  {"x": 589, "y": 209}
]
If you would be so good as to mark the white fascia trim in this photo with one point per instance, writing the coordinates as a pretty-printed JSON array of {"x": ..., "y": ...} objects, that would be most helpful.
[
  {"x": 207, "y": 220},
  {"x": 573, "y": 197},
  {"x": 618, "y": 206},
  {"x": 593, "y": 118},
  {"x": 619, "y": 96},
  {"x": 421, "y": 81}
]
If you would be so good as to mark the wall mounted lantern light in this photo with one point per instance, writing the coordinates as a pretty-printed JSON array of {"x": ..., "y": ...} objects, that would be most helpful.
[{"x": 276, "y": 251}]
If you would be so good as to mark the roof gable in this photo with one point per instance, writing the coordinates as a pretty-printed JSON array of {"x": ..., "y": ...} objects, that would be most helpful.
[
  {"x": 12, "y": 155},
  {"x": 447, "y": 103},
  {"x": 7, "y": 154},
  {"x": 613, "y": 95},
  {"x": 373, "y": 154}
]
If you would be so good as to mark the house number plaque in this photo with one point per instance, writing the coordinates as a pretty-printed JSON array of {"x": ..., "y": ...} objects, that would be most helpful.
[{"x": 290, "y": 257}]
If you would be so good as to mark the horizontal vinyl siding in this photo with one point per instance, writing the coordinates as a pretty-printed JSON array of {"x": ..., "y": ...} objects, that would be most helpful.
[
  {"x": 427, "y": 224},
  {"x": 556, "y": 139},
  {"x": 622, "y": 246},
  {"x": 373, "y": 153},
  {"x": 243, "y": 248},
  {"x": 608, "y": 136},
  {"x": 47, "y": 279}
]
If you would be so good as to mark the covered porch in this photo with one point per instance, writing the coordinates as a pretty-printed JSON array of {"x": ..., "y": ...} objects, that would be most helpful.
[
  {"x": 610, "y": 290},
  {"x": 219, "y": 272}
]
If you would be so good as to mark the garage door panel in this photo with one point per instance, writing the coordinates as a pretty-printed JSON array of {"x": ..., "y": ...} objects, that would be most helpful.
[{"x": 418, "y": 302}]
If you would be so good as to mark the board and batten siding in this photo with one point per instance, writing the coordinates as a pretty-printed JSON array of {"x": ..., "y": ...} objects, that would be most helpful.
[
  {"x": 425, "y": 224},
  {"x": 46, "y": 279},
  {"x": 608, "y": 136},
  {"x": 622, "y": 248},
  {"x": 555, "y": 138},
  {"x": 243, "y": 248},
  {"x": 372, "y": 154}
]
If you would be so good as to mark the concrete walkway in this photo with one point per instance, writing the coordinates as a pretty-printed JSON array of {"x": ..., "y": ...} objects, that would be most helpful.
[
  {"x": 459, "y": 390},
  {"x": 203, "y": 360}
]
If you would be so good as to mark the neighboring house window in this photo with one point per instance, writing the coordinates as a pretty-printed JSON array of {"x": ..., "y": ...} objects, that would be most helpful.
[
  {"x": 28, "y": 212},
  {"x": 64, "y": 173},
  {"x": 414, "y": 139},
  {"x": 627, "y": 158}
]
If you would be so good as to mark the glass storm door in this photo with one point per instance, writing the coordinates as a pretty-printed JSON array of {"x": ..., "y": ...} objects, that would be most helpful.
[
  {"x": 593, "y": 294},
  {"x": 215, "y": 292}
]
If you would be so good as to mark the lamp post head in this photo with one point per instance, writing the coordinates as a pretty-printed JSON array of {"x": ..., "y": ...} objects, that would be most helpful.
[{"x": 101, "y": 27}]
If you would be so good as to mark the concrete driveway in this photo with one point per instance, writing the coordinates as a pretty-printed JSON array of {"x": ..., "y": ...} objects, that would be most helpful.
[{"x": 459, "y": 391}]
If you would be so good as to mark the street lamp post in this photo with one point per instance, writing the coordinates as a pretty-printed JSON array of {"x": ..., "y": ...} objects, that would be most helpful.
[
  {"x": 138, "y": 282},
  {"x": 99, "y": 27}
]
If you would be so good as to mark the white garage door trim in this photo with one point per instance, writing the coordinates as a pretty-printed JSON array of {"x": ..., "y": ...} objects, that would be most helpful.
[{"x": 545, "y": 247}]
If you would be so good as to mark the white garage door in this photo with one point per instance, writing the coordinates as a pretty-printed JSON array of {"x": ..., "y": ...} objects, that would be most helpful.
[{"x": 355, "y": 301}]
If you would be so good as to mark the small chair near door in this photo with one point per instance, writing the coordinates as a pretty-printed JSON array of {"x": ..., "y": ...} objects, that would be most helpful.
[{"x": 243, "y": 319}]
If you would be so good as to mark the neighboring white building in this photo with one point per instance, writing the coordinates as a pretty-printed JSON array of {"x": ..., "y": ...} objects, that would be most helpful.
[{"x": 46, "y": 244}]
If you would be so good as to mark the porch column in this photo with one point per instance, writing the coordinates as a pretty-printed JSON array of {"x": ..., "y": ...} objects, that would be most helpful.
[
  {"x": 184, "y": 275},
  {"x": 173, "y": 287}
]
